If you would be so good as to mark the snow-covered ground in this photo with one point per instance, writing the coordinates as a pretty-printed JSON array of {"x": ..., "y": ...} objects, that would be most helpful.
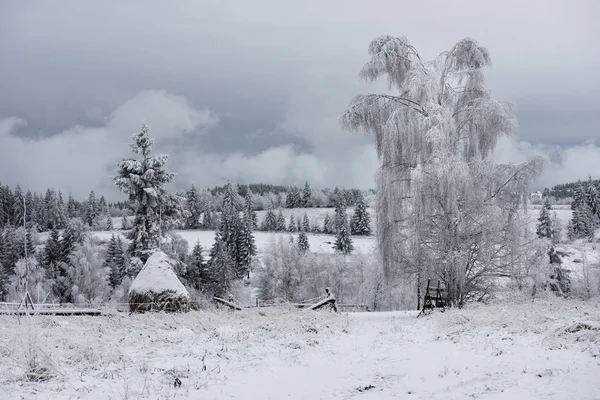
[
  {"x": 547, "y": 349},
  {"x": 319, "y": 243}
]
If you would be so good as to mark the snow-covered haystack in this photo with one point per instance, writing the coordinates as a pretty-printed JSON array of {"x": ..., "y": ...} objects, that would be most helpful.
[{"x": 157, "y": 288}]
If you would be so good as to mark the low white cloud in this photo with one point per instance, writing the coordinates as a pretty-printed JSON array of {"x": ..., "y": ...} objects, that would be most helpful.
[
  {"x": 565, "y": 163},
  {"x": 84, "y": 158}
]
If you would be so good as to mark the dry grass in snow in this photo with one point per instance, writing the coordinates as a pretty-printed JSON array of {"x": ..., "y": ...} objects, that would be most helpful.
[{"x": 543, "y": 349}]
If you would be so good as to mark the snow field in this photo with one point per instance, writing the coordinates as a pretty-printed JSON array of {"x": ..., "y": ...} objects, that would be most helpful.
[{"x": 543, "y": 349}]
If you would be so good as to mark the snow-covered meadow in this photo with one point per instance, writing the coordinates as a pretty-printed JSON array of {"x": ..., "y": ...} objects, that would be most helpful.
[{"x": 522, "y": 349}]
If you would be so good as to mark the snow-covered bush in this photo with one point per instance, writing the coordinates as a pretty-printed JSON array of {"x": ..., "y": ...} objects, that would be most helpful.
[
  {"x": 295, "y": 276},
  {"x": 31, "y": 275},
  {"x": 88, "y": 275}
]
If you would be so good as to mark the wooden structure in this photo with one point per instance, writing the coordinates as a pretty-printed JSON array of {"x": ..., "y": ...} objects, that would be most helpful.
[
  {"x": 434, "y": 298},
  {"x": 27, "y": 307}
]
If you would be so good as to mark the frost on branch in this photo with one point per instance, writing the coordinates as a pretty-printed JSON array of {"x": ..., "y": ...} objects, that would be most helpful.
[{"x": 441, "y": 201}]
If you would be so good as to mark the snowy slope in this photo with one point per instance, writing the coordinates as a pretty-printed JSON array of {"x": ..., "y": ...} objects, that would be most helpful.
[{"x": 547, "y": 349}]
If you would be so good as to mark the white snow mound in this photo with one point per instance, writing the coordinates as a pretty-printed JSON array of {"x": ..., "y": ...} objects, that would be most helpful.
[{"x": 157, "y": 276}]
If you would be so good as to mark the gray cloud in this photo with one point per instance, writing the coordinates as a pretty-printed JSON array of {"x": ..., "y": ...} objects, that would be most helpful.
[{"x": 274, "y": 75}]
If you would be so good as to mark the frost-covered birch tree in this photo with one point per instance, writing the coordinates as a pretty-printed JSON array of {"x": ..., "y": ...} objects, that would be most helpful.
[
  {"x": 143, "y": 181},
  {"x": 442, "y": 206}
]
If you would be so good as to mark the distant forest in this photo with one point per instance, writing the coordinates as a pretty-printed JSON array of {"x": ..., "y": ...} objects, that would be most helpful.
[{"x": 564, "y": 190}]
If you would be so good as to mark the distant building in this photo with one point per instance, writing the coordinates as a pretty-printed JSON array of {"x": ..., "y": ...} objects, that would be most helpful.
[{"x": 535, "y": 195}]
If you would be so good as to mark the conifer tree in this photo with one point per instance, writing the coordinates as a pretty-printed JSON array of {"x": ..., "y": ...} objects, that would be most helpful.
[
  {"x": 343, "y": 241},
  {"x": 74, "y": 235},
  {"x": 361, "y": 221},
  {"x": 115, "y": 261},
  {"x": 52, "y": 250},
  {"x": 280, "y": 226},
  {"x": 578, "y": 196},
  {"x": 55, "y": 217},
  {"x": 293, "y": 198},
  {"x": 340, "y": 218},
  {"x": 328, "y": 225},
  {"x": 593, "y": 199},
  {"x": 143, "y": 181},
  {"x": 246, "y": 246},
  {"x": 194, "y": 208},
  {"x": 29, "y": 244},
  {"x": 305, "y": 223},
  {"x": 270, "y": 222},
  {"x": 18, "y": 207},
  {"x": 197, "y": 274},
  {"x": 545, "y": 227},
  {"x": 102, "y": 207},
  {"x": 303, "y": 245},
  {"x": 124, "y": 223},
  {"x": 292, "y": 224},
  {"x": 220, "y": 267},
  {"x": 582, "y": 223},
  {"x": 109, "y": 223},
  {"x": 11, "y": 250},
  {"x": 3, "y": 216},
  {"x": 306, "y": 195},
  {"x": 92, "y": 209},
  {"x": 72, "y": 208},
  {"x": 249, "y": 209},
  {"x": 30, "y": 208}
]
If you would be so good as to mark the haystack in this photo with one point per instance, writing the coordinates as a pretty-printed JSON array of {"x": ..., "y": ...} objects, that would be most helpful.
[{"x": 157, "y": 288}]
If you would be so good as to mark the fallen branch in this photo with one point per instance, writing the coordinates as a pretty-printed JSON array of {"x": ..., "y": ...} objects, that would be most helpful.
[
  {"x": 228, "y": 303},
  {"x": 330, "y": 299}
]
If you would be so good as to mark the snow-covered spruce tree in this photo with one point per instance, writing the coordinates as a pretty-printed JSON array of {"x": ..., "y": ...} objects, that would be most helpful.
[
  {"x": 343, "y": 241},
  {"x": 220, "y": 267},
  {"x": 439, "y": 195},
  {"x": 143, "y": 181},
  {"x": 578, "y": 196},
  {"x": 246, "y": 246},
  {"x": 53, "y": 250},
  {"x": 280, "y": 222},
  {"x": 74, "y": 235},
  {"x": 114, "y": 261},
  {"x": 270, "y": 222},
  {"x": 361, "y": 220},
  {"x": 328, "y": 224},
  {"x": 582, "y": 222},
  {"x": 339, "y": 217},
  {"x": 18, "y": 207},
  {"x": 593, "y": 199},
  {"x": 109, "y": 223},
  {"x": 55, "y": 215},
  {"x": 292, "y": 224},
  {"x": 124, "y": 223},
  {"x": 194, "y": 208},
  {"x": 249, "y": 209},
  {"x": 306, "y": 195},
  {"x": 305, "y": 223},
  {"x": 72, "y": 208},
  {"x": 92, "y": 211},
  {"x": 545, "y": 228},
  {"x": 197, "y": 274},
  {"x": 303, "y": 245}
]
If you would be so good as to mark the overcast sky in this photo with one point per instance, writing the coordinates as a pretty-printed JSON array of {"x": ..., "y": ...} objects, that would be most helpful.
[{"x": 251, "y": 91}]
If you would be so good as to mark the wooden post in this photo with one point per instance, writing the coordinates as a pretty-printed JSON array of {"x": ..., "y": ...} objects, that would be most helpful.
[{"x": 418, "y": 291}]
